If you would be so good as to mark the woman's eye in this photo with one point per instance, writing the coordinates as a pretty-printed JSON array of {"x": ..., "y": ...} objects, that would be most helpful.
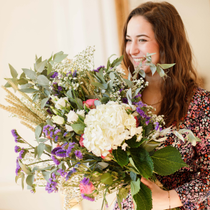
[
  {"x": 142, "y": 40},
  {"x": 128, "y": 40}
]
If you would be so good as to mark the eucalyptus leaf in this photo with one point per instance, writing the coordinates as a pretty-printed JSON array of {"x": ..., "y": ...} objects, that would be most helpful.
[
  {"x": 58, "y": 57},
  {"x": 167, "y": 161},
  {"x": 30, "y": 74},
  {"x": 48, "y": 148},
  {"x": 49, "y": 68},
  {"x": 26, "y": 86},
  {"x": 160, "y": 71},
  {"x": 41, "y": 66},
  {"x": 22, "y": 180},
  {"x": 13, "y": 71},
  {"x": 42, "y": 80},
  {"x": 112, "y": 75},
  {"x": 46, "y": 175},
  {"x": 40, "y": 149},
  {"x": 38, "y": 132},
  {"x": 117, "y": 61},
  {"x": 7, "y": 85},
  {"x": 28, "y": 90},
  {"x": 22, "y": 81},
  {"x": 128, "y": 82},
  {"x": 133, "y": 176},
  {"x": 107, "y": 179},
  {"x": 30, "y": 180},
  {"x": 43, "y": 102},
  {"x": 25, "y": 168},
  {"x": 100, "y": 85},
  {"x": 166, "y": 66}
]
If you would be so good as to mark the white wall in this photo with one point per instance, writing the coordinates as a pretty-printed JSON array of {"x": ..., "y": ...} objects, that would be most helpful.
[
  {"x": 196, "y": 17},
  {"x": 40, "y": 27}
]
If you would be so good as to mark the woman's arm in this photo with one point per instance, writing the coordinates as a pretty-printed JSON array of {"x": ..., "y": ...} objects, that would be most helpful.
[{"x": 162, "y": 199}]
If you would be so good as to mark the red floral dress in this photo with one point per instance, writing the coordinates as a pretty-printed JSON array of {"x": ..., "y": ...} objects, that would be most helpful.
[{"x": 191, "y": 183}]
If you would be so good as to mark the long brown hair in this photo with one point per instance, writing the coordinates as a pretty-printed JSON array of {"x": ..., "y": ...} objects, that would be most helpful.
[{"x": 177, "y": 88}]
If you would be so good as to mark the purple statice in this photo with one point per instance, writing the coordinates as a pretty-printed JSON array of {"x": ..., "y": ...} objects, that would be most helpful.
[
  {"x": 56, "y": 139},
  {"x": 125, "y": 100},
  {"x": 70, "y": 173},
  {"x": 21, "y": 154},
  {"x": 70, "y": 147},
  {"x": 60, "y": 153},
  {"x": 55, "y": 160},
  {"x": 78, "y": 154},
  {"x": 15, "y": 135},
  {"x": 17, "y": 149},
  {"x": 51, "y": 186},
  {"x": 62, "y": 172},
  {"x": 47, "y": 129},
  {"x": 121, "y": 90},
  {"x": 87, "y": 197},
  {"x": 55, "y": 74},
  {"x": 60, "y": 88},
  {"x": 98, "y": 69},
  {"x": 18, "y": 168},
  {"x": 65, "y": 145},
  {"x": 138, "y": 96},
  {"x": 53, "y": 152},
  {"x": 157, "y": 126},
  {"x": 57, "y": 131},
  {"x": 74, "y": 73},
  {"x": 85, "y": 181}
]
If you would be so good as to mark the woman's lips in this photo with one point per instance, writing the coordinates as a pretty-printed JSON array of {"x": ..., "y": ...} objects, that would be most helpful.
[{"x": 138, "y": 60}]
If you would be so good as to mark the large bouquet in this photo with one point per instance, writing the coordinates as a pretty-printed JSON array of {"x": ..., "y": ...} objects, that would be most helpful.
[{"x": 93, "y": 134}]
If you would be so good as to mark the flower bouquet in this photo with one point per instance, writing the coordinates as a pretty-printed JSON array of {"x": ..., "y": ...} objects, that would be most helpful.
[{"x": 93, "y": 134}]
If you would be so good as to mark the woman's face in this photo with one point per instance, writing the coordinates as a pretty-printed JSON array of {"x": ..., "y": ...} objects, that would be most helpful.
[{"x": 140, "y": 40}]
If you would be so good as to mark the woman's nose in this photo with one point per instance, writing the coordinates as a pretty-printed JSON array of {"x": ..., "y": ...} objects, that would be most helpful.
[{"x": 134, "y": 49}]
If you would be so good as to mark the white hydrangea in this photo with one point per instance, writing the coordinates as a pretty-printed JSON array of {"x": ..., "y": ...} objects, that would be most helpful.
[{"x": 107, "y": 127}]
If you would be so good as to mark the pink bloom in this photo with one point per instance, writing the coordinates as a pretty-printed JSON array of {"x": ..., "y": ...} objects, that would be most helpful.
[
  {"x": 81, "y": 140},
  {"x": 90, "y": 103},
  {"x": 86, "y": 189}
]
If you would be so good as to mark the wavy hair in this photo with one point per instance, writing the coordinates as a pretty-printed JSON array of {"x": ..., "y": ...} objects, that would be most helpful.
[{"x": 177, "y": 89}]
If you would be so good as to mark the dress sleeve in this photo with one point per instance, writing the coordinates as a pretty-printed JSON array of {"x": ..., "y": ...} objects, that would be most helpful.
[{"x": 198, "y": 190}]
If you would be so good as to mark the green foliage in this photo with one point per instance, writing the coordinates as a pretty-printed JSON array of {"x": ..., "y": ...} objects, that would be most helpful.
[
  {"x": 167, "y": 161},
  {"x": 120, "y": 156}
]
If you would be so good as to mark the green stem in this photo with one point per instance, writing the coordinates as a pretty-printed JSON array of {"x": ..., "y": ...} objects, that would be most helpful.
[{"x": 41, "y": 161}]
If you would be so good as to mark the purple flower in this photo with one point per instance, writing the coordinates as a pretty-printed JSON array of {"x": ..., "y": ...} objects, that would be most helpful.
[
  {"x": 138, "y": 96},
  {"x": 100, "y": 67},
  {"x": 15, "y": 135},
  {"x": 74, "y": 73},
  {"x": 56, "y": 138},
  {"x": 78, "y": 154},
  {"x": 55, "y": 160},
  {"x": 70, "y": 173},
  {"x": 60, "y": 153},
  {"x": 87, "y": 197},
  {"x": 85, "y": 181},
  {"x": 21, "y": 154},
  {"x": 17, "y": 149},
  {"x": 57, "y": 131},
  {"x": 17, "y": 170},
  {"x": 125, "y": 100},
  {"x": 51, "y": 186},
  {"x": 55, "y": 74},
  {"x": 62, "y": 172},
  {"x": 70, "y": 147},
  {"x": 60, "y": 88},
  {"x": 53, "y": 152},
  {"x": 156, "y": 125}
]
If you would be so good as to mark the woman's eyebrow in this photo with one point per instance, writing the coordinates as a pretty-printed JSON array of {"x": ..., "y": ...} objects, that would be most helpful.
[{"x": 139, "y": 35}]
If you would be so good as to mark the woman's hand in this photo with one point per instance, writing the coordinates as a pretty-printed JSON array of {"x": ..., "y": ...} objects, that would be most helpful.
[{"x": 160, "y": 197}]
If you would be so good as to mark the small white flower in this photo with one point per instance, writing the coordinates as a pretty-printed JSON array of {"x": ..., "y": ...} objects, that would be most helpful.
[
  {"x": 72, "y": 117},
  {"x": 81, "y": 112},
  {"x": 68, "y": 128},
  {"x": 62, "y": 102},
  {"x": 124, "y": 146},
  {"x": 58, "y": 120}
]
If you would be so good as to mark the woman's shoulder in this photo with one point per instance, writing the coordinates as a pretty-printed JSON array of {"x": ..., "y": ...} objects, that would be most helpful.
[{"x": 201, "y": 95}]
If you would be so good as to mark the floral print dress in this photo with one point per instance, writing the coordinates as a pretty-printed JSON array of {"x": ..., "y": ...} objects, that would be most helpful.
[{"x": 191, "y": 183}]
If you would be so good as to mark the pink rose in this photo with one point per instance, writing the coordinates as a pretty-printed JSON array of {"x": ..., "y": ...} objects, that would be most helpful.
[
  {"x": 86, "y": 188},
  {"x": 90, "y": 103},
  {"x": 81, "y": 141},
  {"x": 137, "y": 122}
]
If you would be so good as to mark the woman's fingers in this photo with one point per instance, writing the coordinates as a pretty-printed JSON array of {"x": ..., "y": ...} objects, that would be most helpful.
[{"x": 147, "y": 182}]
